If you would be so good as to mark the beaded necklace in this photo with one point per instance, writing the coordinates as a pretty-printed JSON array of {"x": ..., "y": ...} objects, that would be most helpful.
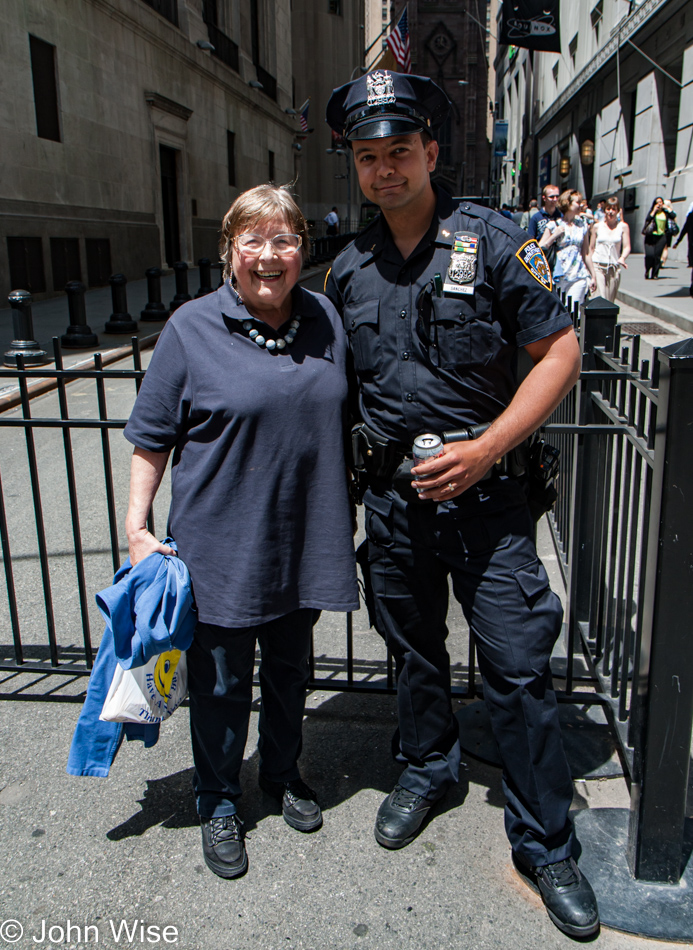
[{"x": 270, "y": 344}]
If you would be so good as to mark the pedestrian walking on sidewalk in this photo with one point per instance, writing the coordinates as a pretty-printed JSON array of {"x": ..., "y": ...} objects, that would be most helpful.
[
  {"x": 609, "y": 248},
  {"x": 687, "y": 231},
  {"x": 247, "y": 387},
  {"x": 672, "y": 229},
  {"x": 655, "y": 233},
  {"x": 573, "y": 270},
  {"x": 332, "y": 222}
]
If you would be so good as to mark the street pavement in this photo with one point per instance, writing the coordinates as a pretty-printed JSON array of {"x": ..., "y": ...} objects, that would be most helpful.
[
  {"x": 102, "y": 852},
  {"x": 668, "y": 297}
]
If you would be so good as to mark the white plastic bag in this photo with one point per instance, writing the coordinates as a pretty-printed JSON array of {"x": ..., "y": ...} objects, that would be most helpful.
[{"x": 149, "y": 693}]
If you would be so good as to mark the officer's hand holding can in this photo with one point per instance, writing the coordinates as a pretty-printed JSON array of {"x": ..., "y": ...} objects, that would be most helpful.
[{"x": 427, "y": 446}]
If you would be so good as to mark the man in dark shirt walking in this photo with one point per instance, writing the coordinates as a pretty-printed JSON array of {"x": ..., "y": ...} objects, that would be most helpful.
[
  {"x": 549, "y": 212},
  {"x": 436, "y": 299}
]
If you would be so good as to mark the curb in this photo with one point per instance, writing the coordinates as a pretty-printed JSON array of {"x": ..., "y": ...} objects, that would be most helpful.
[
  {"x": 41, "y": 386},
  {"x": 668, "y": 315}
]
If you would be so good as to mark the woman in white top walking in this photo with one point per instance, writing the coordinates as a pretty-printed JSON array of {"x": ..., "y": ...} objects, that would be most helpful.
[
  {"x": 573, "y": 270},
  {"x": 609, "y": 248}
]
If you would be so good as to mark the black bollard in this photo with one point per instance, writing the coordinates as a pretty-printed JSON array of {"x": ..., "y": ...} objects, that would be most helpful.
[
  {"x": 205, "y": 266},
  {"x": 78, "y": 335},
  {"x": 182, "y": 295},
  {"x": 120, "y": 321},
  {"x": 24, "y": 343},
  {"x": 155, "y": 309},
  {"x": 220, "y": 267}
]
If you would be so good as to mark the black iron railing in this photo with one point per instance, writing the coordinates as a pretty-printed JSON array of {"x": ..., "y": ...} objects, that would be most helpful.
[{"x": 623, "y": 528}]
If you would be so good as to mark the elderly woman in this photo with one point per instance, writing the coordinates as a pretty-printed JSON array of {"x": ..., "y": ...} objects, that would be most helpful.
[
  {"x": 573, "y": 270},
  {"x": 247, "y": 388}
]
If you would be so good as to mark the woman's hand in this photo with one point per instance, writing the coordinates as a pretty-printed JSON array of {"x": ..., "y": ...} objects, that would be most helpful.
[
  {"x": 593, "y": 285},
  {"x": 141, "y": 543},
  {"x": 622, "y": 263}
]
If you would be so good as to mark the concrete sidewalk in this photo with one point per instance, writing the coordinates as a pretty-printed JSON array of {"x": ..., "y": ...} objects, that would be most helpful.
[{"x": 667, "y": 298}]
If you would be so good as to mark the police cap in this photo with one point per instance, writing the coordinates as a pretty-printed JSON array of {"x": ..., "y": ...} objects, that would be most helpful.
[{"x": 383, "y": 103}]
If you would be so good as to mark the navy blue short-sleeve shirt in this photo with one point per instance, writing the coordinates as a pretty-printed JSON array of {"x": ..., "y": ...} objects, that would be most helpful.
[{"x": 259, "y": 504}]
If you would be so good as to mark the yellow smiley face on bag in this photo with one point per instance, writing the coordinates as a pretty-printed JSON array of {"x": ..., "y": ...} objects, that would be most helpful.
[{"x": 164, "y": 671}]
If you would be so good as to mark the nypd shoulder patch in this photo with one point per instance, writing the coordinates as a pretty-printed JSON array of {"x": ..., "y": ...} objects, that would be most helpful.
[{"x": 532, "y": 257}]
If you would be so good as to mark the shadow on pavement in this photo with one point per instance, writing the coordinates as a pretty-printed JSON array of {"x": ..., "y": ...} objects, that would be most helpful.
[{"x": 346, "y": 749}]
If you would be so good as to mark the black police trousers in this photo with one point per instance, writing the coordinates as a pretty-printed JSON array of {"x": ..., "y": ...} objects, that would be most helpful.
[
  {"x": 483, "y": 540},
  {"x": 221, "y": 661}
]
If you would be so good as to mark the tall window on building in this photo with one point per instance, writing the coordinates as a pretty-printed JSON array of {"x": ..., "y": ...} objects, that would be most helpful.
[
  {"x": 231, "y": 156},
  {"x": 572, "y": 49},
  {"x": 167, "y": 8},
  {"x": 444, "y": 138},
  {"x": 629, "y": 107},
  {"x": 26, "y": 264},
  {"x": 98, "y": 261},
  {"x": 669, "y": 94},
  {"x": 270, "y": 164},
  {"x": 65, "y": 261},
  {"x": 334, "y": 6},
  {"x": 169, "y": 197},
  {"x": 254, "y": 31},
  {"x": 43, "y": 73},
  {"x": 269, "y": 82},
  {"x": 596, "y": 16}
]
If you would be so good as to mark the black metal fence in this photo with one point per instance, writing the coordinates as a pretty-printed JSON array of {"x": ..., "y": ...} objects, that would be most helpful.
[{"x": 623, "y": 528}]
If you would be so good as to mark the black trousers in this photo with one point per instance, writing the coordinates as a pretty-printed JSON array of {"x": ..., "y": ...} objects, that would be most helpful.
[
  {"x": 220, "y": 676},
  {"x": 484, "y": 540},
  {"x": 654, "y": 248}
]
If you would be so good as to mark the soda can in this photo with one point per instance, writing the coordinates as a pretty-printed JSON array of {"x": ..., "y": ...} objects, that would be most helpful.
[{"x": 425, "y": 447}]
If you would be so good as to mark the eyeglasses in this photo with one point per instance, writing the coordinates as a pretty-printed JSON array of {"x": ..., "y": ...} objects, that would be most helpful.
[
  {"x": 282, "y": 244},
  {"x": 551, "y": 197}
]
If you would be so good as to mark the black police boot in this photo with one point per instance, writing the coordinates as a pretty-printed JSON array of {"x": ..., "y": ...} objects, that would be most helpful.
[
  {"x": 223, "y": 845},
  {"x": 299, "y": 803},
  {"x": 400, "y": 818},
  {"x": 567, "y": 895}
]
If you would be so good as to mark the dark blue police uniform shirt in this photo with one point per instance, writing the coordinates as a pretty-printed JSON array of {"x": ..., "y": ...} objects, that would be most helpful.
[
  {"x": 259, "y": 504},
  {"x": 427, "y": 363}
]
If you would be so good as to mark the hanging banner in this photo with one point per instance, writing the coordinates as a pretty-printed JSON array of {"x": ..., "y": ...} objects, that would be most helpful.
[
  {"x": 532, "y": 24},
  {"x": 500, "y": 137}
]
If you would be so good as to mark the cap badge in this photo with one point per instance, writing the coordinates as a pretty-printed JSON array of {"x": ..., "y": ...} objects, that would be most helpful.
[
  {"x": 380, "y": 87},
  {"x": 462, "y": 266}
]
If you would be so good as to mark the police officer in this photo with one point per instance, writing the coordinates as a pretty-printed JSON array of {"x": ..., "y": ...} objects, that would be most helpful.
[{"x": 436, "y": 299}]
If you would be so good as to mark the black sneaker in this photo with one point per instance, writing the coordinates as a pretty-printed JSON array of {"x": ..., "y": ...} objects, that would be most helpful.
[
  {"x": 299, "y": 803},
  {"x": 567, "y": 895},
  {"x": 223, "y": 845},
  {"x": 400, "y": 817}
]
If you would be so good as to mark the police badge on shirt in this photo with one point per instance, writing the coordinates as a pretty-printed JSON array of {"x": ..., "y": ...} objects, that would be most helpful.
[{"x": 461, "y": 275}]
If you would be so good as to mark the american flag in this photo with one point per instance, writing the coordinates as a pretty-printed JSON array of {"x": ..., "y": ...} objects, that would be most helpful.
[
  {"x": 398, "y": 41},
  {"x": 303, "y": 115}
]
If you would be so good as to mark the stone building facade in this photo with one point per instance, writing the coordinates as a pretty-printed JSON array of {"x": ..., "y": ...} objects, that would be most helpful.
[
  {"x": 611, "y": 114},
  {"x": 129, "y": 126},
  {"x": 328, "y": 39},
  {"x": 450, "y": 43}
]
